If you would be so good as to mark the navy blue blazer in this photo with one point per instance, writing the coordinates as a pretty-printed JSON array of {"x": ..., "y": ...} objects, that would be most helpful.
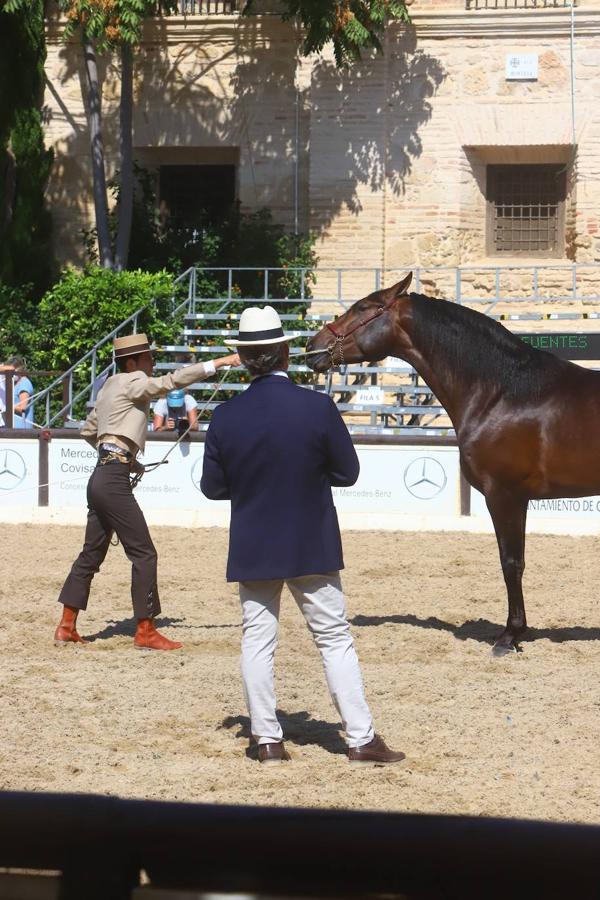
[{"x": 275, "y": 451}]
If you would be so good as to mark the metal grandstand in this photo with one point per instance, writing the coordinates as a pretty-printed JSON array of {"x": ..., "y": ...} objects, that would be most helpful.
[{"x": 387, "y": 397}]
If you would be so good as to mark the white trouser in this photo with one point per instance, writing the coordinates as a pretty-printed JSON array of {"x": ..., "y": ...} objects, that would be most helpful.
[{"x": 321, "y": 600}]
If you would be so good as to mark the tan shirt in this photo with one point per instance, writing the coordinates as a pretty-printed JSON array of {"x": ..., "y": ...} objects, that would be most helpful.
[{"x": 123, "y": 404}]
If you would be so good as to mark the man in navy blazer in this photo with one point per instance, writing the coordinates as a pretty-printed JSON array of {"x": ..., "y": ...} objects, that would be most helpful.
[{"x": 275, "y": 451}]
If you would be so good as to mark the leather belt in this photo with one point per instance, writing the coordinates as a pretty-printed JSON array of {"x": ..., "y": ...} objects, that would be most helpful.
[{"x": 109, "y": 453}]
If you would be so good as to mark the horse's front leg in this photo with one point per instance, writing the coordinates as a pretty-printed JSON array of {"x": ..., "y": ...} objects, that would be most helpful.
[{"x": 509, "y": 514}]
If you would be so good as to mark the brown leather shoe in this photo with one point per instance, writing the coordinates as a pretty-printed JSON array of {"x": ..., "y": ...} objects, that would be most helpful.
[
  {"x": 148, "y": 638},
  {"x": 375, "y": 753},
  {"x": 273, "y": 754}
]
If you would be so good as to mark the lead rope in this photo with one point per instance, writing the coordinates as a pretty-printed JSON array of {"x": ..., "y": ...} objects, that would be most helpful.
[
  {"x": 336, "y": 345},
  {"x": 150, "y": 467}
]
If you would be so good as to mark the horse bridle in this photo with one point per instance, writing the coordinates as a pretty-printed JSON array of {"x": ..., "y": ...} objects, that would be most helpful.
[{"x": 340, "y": 337}]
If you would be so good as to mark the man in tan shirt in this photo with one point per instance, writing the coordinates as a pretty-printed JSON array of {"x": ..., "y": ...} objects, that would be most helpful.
[{"x": 117, "y": 427}]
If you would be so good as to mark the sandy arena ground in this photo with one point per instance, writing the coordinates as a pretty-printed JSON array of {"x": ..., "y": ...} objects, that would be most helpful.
[{"x": 510, "y": 737}]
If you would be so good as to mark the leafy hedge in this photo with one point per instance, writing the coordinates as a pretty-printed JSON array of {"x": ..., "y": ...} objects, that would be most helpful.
[{"x": 83, "y": 307}]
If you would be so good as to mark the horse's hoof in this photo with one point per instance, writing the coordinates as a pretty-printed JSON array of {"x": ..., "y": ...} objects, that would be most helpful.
[{"x": 499, "y": 650}]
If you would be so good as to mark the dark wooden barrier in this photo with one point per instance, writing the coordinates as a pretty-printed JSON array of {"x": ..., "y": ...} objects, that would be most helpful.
[{"x": 101, "y": 844}]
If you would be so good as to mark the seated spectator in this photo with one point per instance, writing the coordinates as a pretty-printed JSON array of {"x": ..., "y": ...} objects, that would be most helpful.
[
  {"x": 22, "y": 394},
  {"x": 175, "y": 412}
]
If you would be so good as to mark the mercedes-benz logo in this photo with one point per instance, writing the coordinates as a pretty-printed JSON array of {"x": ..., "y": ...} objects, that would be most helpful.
[
  {"x": 196, "y": 473},
  {"x": 12, "y": 470},
  {"x": 425, "y": 478}
]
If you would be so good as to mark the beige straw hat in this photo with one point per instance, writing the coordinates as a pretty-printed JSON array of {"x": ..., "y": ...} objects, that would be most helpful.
[
  {"x": 132, "y": 343},
  {"x": 258, "y": 325}
]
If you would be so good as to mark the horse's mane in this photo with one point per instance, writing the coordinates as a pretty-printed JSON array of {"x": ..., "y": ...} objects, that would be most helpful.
[{"x": 481, "y": 349}]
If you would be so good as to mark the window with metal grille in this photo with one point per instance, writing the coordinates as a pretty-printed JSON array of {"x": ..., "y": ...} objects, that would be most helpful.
[
  {"x": 526, "y": 209},
  {"x": 192, "y": 195}
]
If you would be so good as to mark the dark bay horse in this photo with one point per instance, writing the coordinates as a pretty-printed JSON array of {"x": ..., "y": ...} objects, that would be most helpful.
[{"x": 527, "y": 423}]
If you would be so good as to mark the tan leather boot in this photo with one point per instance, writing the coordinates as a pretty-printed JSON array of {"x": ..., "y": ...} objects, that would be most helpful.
[
  {"x": 66, "y": 632},
  {"x": 148, "y": 638}
]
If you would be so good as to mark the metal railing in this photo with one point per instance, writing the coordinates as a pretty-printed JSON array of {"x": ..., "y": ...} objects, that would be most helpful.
[
  {"x": 518, "y": 4},
  {"x": 227, "y": 7},
  {"x": 485, "y": 285},
  {"x": 209, "y": 7}
]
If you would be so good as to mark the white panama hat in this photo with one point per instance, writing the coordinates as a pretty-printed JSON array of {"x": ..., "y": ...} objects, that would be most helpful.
[{"x": 258, "y": 326}]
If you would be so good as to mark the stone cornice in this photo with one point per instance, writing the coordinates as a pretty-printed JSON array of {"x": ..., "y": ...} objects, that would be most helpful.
[
  {"x": 181, "y": 29},
  {"x": 517, "y": 24},
  {"x": 504, "y": 23}
]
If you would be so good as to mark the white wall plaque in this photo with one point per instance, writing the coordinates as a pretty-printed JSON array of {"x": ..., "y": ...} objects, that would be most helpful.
[{"x": 521, "y": 66}]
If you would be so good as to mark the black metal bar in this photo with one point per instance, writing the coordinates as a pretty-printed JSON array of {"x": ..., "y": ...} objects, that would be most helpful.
[
  {"x": 367, "y": 439},
  {"x": 77, "y": 834},
  {"x": 10, "y": 412},
  {"x": 43, "y": 468},
  {"x": 101, "y": 843}
]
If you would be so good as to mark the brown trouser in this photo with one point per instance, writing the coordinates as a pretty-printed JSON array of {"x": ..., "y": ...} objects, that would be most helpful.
[{"x": 113, "y": 508}]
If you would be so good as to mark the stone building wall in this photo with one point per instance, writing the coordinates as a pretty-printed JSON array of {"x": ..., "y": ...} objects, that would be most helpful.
[
  {"x": 386, "y": 162},
  {"x": 207, "y": 89},
  {"x": 437, "y": 109}
]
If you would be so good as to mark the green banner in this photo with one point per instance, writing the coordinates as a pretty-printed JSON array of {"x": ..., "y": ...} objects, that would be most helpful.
[{"x": 567, "y": 345}]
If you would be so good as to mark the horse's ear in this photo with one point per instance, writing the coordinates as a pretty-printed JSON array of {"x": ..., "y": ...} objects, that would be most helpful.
[{"x": 398, "y": 290}]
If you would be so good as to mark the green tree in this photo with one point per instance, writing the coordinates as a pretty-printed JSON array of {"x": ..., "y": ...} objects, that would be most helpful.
[
  {"x": 115, "y": 26},
  {"x": 351, "y": 26},
  {"x": 111, "y": 26},
  {"x": 25, "y": 223},
  {"x": 107, "y": 27}
]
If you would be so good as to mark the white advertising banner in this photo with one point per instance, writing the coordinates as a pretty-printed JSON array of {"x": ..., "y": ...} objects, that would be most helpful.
[
  {"x": 562, "y": 509},
  {"x": 399, "y": 487},
  {"x": 175, "y": 485},
  {"x": 404, "y": 480},
  {"x": 19, "y": 470},
  {"x": 70, "y": 464},
  {"x": 396, "y": 480}
]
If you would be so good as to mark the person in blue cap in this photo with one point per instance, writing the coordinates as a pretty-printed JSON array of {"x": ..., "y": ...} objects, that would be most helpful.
[{"x": 176, "y": 411}]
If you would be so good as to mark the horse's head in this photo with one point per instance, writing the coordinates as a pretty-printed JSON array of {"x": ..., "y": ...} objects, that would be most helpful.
[{"x": 364, "y": 332}]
